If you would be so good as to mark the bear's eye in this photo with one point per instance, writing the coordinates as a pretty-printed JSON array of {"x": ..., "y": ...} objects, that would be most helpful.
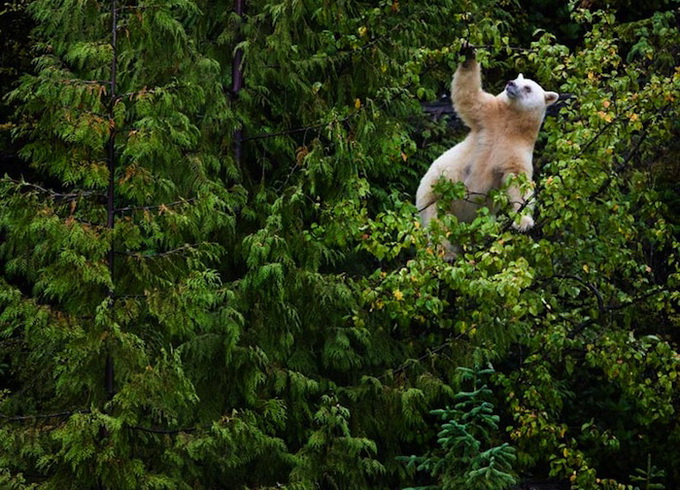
[{"x": 527, "y": 89}]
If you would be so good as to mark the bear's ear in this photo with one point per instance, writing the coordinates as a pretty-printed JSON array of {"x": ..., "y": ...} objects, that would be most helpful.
[
  {"x": 520, "y": 77},
  {"x": 551, "y": 98}
]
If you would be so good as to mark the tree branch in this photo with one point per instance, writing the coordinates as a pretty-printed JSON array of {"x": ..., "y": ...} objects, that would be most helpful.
[
  {"x": 596, "y": 292},
  {"x": 152, "y": 430},
  {"x": 141, "y": 255},
  {"x": 68, "y": 196},
  {"x": 128, "y": 209},
  {"x": 22, "y": 418}
]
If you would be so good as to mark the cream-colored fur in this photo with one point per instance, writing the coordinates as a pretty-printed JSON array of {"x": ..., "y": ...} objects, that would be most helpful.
[{"x": 503, "y": 130}]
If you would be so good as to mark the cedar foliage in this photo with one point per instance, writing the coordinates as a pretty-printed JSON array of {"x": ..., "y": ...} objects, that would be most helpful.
[{"x": 278, "y": 318}]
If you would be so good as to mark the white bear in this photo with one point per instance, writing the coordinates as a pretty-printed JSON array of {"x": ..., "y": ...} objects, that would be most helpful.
[{"x": 503, "y": 130}]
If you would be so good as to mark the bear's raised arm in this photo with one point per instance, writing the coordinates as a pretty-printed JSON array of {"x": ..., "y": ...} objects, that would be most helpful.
[{"x": 466, "y": 92}]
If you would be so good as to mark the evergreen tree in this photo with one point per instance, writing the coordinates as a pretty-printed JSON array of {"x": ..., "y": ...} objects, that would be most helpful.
[
  {"x": 109, "y": 258},
  {"x": 464, "y": 458}
]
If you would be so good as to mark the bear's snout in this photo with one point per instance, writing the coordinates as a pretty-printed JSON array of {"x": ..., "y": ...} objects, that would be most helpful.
[{"x": 512, "y": 89}]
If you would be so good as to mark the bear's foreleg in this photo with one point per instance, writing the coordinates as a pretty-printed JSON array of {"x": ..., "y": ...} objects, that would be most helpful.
[
  {"x": 467, "y": 94},
  {"x": 519, "y": 201}
]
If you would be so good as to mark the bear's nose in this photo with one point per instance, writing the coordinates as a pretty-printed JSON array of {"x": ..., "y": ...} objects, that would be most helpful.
[{"x": 511, "y": 84}]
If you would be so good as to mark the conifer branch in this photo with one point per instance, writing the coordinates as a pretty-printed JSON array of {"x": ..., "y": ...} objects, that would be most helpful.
[
  {"x": 152, "y": 430},
  {"x": 77, "y": 81},
  {"x": 129, "y": 209},
  {"x": 147, "y": 255},
  {"x": 69, "y": 413},
  {"x": 58, "y": 196},
  {"x": 24, "y": 418},
  {"x": 281, "y": 133}
]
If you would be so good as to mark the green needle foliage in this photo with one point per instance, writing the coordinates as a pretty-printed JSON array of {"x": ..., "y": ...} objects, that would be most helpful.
[
  {"x": 466, "y": 458},
  {"x": 209, "y": 284},
  {"x": 645, "y": 477}
]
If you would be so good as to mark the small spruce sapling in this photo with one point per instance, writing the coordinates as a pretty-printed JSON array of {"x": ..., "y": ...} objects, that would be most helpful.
[{"x": 466, "y": 456}]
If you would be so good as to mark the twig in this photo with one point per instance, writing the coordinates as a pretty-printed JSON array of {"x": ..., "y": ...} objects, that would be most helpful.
[
  {"x": 589, "y": 285},
  {"x": 128, "y": 209},
  {"x": 69, "y": 196},
  {"x": 167, "y": 431},
  {"x": 429, "y": 353},
  {"x": 636, "y": 300},
  {"x": 283, "y": 133},
  {"x": 157, "y": 254},
  {"x": 21, "y": 418}
]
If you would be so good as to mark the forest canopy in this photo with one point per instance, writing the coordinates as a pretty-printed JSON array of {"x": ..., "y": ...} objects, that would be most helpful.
[{"x": 213, "y": 274}]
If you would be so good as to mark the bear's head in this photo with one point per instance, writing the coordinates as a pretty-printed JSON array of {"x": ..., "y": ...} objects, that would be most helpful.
[{"x": 527, "y": 95}]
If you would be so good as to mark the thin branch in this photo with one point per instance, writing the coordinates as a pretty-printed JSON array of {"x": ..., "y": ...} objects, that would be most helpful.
[
  {"x": 129, "y": 296},
  {"x": 76, "y": 81},
  {"x": 580, "y": 328},
  {"x": 128, "y": 209},
  {"x": 429, "y": 353},
  {"x": 602, "y": 130},
  {"x": 467, "y": 198},
  {"x": 168, "y": 431},
  {"x": 636, "y": 300},
  {"x": 283, "y": 133},
  {"x": 68, "y": 413},
  {"x": 68, "y": 196},
  {"x": 512, "y": 48},
  {"x": 586, "y": 323},
  {"x": 22, "y": 418},
  {"x": 623, "y": 164},
  {"x": 140, "y": 255},
  {"x": 589, "y": 285}
]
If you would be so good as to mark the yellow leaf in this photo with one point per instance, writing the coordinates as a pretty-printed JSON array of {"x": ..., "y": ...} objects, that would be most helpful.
[
  {"x": 357, "y": 103},
  {"x": 605, "y": 116},
  {"x": 398, "y": 295}
]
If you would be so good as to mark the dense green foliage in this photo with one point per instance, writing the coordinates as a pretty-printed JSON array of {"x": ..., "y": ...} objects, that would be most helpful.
[
  {"x": 258, "y": 307},
  {"x": 468, "y": 429}
]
